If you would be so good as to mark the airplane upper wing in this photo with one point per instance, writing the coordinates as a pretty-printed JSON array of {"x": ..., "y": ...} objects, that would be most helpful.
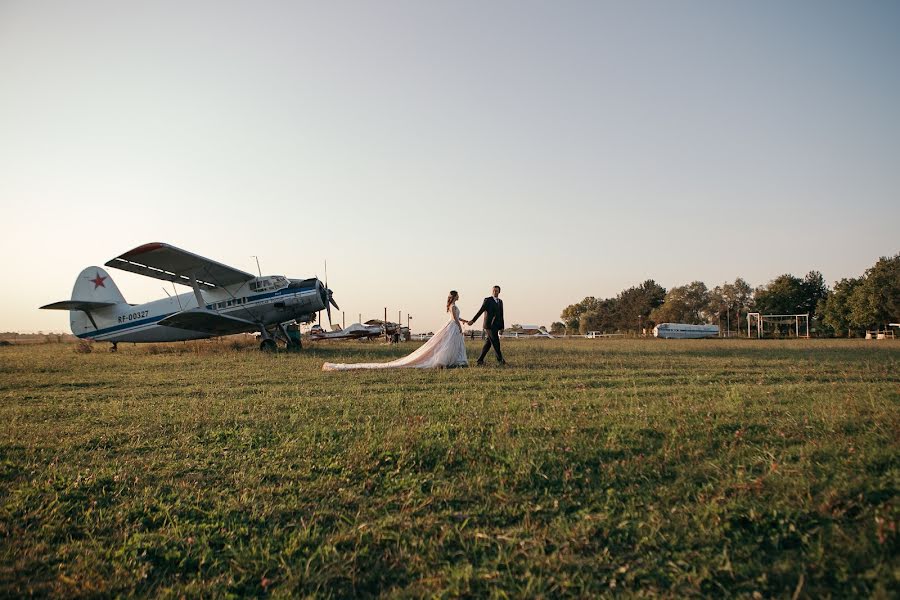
[
  {"x": 200, "y": 319},
  {"x": 166, "y": 262}
]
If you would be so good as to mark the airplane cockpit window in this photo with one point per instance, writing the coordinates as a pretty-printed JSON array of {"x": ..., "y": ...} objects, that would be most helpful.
[
  {"x": 268, "y": 284},
  {"x": 259, "y": 285}
]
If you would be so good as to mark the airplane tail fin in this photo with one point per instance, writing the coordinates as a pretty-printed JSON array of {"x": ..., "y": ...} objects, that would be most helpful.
[
  {"x": 94, "y": 291},
  {"x": 95, "y": 285}
]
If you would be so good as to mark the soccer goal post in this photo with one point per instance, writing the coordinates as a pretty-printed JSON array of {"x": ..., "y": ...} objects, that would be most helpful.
[{"x": 799, "y": 323}]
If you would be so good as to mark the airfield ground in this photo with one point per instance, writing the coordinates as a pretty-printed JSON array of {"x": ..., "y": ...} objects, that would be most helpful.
[{"x": 638, "y": 467}]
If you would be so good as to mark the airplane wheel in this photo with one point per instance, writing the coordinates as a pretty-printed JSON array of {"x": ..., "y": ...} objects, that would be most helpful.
[{"x": 268, "y": 346}]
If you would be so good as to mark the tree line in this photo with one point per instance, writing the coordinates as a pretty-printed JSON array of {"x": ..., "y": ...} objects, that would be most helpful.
[{"x": 852, "y": 306}]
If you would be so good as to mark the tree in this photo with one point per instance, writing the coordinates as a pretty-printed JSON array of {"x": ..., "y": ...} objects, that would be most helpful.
[
  {"x": 836, "y": 309},
  {"x": 557, "y": 328},
  {"x": 603, "y": 317},
  {"x": 684, "y": 304},
  {"x": 876, "y": 301},
  {"x": 731, "y": 300},
  {"x": 790, "y": 295},
  {"x": 635, "y": 304},
  {"x": 571, "y": 315},
  {"x": 781, "y": 296},
  {"x": 814, "y": 291}
]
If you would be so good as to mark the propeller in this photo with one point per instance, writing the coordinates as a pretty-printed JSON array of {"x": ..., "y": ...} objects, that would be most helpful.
[{"x": 328, "y": 296}]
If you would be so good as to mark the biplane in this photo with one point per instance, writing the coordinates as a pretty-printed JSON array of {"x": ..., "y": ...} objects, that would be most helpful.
[
  {"x": 222, "y": 301},
  {"x": 356, "y": 331},
  {"x": 370, "y": 330},
  {"x": 526, "y": 331}
]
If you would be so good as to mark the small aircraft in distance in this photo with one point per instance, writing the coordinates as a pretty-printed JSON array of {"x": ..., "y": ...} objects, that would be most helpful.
[
  {"x": 356, "y": 331},
  {"x": 527, "y": 331},
  {"x": 224, "y": 301}
]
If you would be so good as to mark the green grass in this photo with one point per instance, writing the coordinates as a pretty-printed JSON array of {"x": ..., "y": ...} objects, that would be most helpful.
[{"x": 651, "y": 468}]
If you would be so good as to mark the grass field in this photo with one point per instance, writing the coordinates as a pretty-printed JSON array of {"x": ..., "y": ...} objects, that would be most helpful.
[{"x": 639, "y": 468}]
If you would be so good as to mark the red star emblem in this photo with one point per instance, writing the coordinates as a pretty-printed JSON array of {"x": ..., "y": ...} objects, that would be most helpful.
[{"x": 98, "y": 281}]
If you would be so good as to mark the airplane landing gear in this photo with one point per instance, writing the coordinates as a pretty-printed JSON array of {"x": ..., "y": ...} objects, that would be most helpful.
[
  {"x": 267, "y": 340},
  {"x": 114, "y": 347},
  {"x": 291, "y": 336}
]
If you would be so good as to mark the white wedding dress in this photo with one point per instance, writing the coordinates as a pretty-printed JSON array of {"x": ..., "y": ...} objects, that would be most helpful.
[{"x": 446, "y": 349}]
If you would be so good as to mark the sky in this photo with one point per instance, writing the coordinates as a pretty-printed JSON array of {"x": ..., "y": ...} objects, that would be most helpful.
[{"x": 561, "y": 150}]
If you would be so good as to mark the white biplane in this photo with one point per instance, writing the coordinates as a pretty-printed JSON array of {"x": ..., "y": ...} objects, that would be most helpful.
[
  {"x": 527, "y": 331},
  {"x": 356, "y": 331},
  {"x": 224, "y": 301}
]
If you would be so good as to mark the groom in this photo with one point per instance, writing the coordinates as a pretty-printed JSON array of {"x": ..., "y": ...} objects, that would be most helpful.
[{"x": 492, "y": 307}]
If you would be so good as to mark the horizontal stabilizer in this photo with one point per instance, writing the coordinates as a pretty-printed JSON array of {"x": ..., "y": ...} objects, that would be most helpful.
[
  {"x": 207, "y": 321},
  {"x": 166, "y": 262},
  {"x": 82, "y": 305}
]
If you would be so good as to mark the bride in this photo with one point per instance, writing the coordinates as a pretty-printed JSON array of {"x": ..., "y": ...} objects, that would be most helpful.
[{"x": 447, "y": 349}]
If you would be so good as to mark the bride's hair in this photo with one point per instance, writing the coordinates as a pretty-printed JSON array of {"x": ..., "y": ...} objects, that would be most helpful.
[{"x": 453, "y": 296}]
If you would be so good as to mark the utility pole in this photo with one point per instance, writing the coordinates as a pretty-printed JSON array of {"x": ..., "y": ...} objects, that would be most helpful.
[{"x": 343, "y": 320}]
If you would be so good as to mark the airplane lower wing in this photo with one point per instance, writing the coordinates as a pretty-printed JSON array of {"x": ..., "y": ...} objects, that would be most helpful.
[{"x": 208, "y": 322}]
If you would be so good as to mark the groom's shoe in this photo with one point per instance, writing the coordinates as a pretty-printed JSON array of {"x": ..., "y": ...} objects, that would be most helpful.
[
  {"x": 502, "y": 363},
  {"x": 479, "y": 363}
]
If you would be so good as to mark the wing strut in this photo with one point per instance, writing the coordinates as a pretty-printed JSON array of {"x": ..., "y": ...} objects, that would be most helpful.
[
  {"x": 91, "y": 317},
  {"x": 200, "y": 302}
]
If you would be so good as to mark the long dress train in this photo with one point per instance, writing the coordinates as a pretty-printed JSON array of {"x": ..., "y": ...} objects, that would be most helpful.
[{"x": 446, "y": 349}]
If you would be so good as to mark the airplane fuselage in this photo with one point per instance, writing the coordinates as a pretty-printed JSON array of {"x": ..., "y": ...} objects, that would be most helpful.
[{"x": 265, "y": 305}]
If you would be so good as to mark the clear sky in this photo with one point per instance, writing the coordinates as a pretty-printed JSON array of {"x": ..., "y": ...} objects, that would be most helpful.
[{"x": 560, "y": 149}]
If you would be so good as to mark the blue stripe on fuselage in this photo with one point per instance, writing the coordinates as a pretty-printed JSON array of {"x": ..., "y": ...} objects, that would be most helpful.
[{"x": 124, "y": 326}]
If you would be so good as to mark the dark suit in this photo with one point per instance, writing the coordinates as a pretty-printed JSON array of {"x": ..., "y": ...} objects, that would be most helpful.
[{"x": 493, "y": 325}]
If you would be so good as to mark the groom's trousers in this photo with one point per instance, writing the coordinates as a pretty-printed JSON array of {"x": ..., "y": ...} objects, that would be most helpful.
[{"x": 493, "y": 339}]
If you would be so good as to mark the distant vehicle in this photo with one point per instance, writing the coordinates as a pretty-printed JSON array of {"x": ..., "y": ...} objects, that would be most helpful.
[
  {"x": 685, "y": 331},
  {"x": 224, "y": 301}
]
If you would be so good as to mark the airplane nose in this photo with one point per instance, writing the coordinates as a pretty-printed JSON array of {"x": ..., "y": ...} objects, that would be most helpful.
[
  {"x": 327, "y": 299},
  {"x": 323, "y": 292}
]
